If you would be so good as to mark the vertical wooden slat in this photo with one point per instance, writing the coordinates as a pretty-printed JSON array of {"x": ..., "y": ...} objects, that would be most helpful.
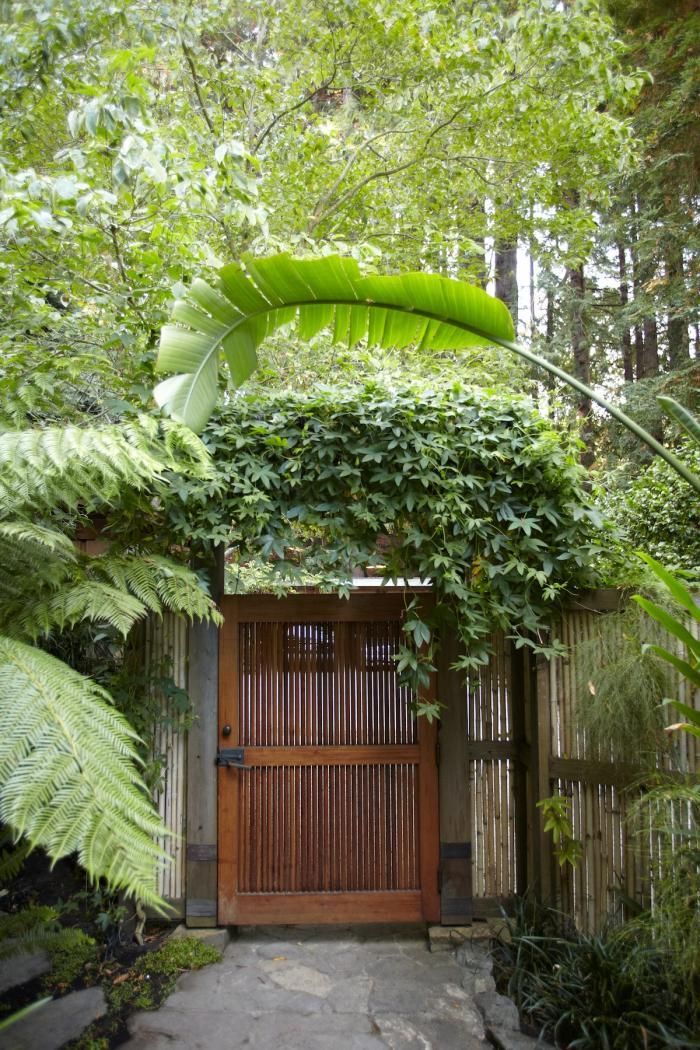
[{"x": 229, "y": 714}]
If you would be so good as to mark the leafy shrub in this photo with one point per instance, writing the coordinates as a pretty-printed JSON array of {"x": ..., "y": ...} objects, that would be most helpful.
[
  {"x": 658, "y": 512},
  {"x": 470, "y": 488},
  {"x": 609, "y": 990}
]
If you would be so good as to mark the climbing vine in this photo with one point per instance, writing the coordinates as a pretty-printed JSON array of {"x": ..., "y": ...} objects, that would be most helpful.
[{"x": 470, "y": 489}]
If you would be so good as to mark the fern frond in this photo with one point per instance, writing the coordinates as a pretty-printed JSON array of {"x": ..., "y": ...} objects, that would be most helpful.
[
  {"x": 33, "y": 536},
  {"x": 68, "y": 772},
  {"x": 63, "y": 466},
  {"x": 11, "y": 859},
  {"x": 35, "y": 928},
  {"x": 161, "y": 583},
  {"x": 37, "y": 597}
]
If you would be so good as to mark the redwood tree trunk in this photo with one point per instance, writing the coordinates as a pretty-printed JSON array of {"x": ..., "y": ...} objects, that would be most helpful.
[
  {"x": 582, "y": 356},
  {"x": 678, "y": 341},
  {"x": 627, "y": 358},
  {"x": 507, "y": 275}
]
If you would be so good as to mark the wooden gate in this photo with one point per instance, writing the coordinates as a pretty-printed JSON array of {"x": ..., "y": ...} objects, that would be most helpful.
[{"x": 328, "y": 806}]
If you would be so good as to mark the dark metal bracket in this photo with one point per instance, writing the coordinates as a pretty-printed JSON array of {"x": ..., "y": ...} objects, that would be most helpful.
[{"x": 231, "y": 757}]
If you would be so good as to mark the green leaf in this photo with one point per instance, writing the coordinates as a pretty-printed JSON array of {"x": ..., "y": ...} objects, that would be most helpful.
[
  {"x": 248, "y": 305},
  {"x": 435, "y": 313},
  {"x": 682, "y": 666},
  {"x": 690, "y": 713},
  {"x": 673, "y": 585},
  {"x": 682, "y": 416},
  {"x": 669, "y": 623},
  {"x": 68, "y": 772}
]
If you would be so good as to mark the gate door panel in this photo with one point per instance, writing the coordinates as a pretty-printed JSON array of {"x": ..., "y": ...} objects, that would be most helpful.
[{"x": 327, "y": 783}]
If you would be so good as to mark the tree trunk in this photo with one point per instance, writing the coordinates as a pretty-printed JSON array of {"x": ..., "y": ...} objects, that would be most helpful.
[
  {"x": 582, "y": 356},
  {"x": 646, "y": 341},
  {"x": 678, "y": 341},
  {"x": 507, "y": 275},
  {"x": 649, "y": 365},
  {"x": 627, "y": 360},
  {"x": 550, "y": 327},
  {"x": 549, "y": 330}
]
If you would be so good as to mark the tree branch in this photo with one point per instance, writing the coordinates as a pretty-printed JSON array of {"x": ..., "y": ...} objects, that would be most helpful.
[
  {"x": 195, "y": 81},
  {"x": 292, "y": 109}
]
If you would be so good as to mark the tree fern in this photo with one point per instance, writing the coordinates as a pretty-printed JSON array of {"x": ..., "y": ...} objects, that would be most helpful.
[
  {"x": 68, "y": 775},
  {"x": 68, "y": 769},
  {"x": 59, "y": 466},
  {"x": 115, "y": 588}
]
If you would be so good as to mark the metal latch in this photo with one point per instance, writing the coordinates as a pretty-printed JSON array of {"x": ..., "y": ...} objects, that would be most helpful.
[{"x": 231, "y": 757}]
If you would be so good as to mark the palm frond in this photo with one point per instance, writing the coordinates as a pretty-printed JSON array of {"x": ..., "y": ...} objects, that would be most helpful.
[{"x": 68, "y": 772}]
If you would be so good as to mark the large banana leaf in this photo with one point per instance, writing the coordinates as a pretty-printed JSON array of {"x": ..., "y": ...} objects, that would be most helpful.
[
  {"x": 250, "y": 302},
  {"x": 234, "y": 318}
]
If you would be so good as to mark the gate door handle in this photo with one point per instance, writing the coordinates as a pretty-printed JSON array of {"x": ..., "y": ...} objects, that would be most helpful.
[{"x": 231, "y": 757}]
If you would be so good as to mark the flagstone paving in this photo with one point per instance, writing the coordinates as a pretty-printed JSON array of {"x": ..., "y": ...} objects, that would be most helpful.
[{"x": 319, "y": 989}]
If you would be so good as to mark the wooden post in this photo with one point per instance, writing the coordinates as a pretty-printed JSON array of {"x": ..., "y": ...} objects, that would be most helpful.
[
  {"x": 521, "y": 684},
  {"x": 540, "y": 846},
  {"x": 455, "y": 795},
  {"x": 203, "y": 688}
]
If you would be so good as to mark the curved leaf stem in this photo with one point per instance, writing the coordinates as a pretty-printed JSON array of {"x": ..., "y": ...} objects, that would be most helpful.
[{"x": 643, "y": 435}]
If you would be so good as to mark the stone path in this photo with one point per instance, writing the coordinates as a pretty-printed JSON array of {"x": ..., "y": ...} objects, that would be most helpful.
[{"x": 319, "y": 989}]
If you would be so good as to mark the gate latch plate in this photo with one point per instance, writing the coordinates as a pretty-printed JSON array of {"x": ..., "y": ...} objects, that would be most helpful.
[{"x": 231, "y": 757}]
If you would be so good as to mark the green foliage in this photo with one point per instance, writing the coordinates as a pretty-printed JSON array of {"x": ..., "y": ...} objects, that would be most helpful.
[
  {"x": 668, "y": 814},
  {"x": 555, "y": 814},
  {"x": 141, "y": 145},
  {"x": 68, "y": 773},
  {"x": 37, "y": 927},
  {"x": 657, "y": 512},
  {"x": 70, "y": 960},
  {"x": 679, "y": 627},
  {"x": 153, "y": 976},
  {"x": 12, "y": 857},
  {"x": 69, "y": 778},
  {"x": 473, "y": 490},
  {"x": 52, "y": 467},
  {"x": 6, "y": 1022},
  {"x": 611, "y": 989},
  {"x": 620, "y": 686},
  {"x": 248, "y": 304}
]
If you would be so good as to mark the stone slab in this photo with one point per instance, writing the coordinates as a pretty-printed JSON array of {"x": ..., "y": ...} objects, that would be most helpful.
[
  {"x": 56, "y": 1023},
  {"x": 317, "y": 989},
  {"x": 446, "y": 938},
  {"x": 503, "y": 1039},
  {"x": 218, "y": 937},
  {"x": 18, "y": 969}
]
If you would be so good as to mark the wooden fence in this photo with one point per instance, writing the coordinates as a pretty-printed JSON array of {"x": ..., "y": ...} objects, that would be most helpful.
[
  {"x": 508, "y": 738},
  {"x": 519, "y": 741},
  {"x": 163, "y": 643}
]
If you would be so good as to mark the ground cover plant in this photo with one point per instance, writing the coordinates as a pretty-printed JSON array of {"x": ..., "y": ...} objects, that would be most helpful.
[{"x": 618, "y": 989}]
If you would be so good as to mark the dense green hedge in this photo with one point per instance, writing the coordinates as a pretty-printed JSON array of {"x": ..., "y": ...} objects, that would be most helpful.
[
  {"x": 659, "y": 513},
  {"x": 474, "y": 489}
]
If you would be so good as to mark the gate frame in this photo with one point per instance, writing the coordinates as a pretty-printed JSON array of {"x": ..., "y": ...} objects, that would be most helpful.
[{"x": 202, "y": 817}]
